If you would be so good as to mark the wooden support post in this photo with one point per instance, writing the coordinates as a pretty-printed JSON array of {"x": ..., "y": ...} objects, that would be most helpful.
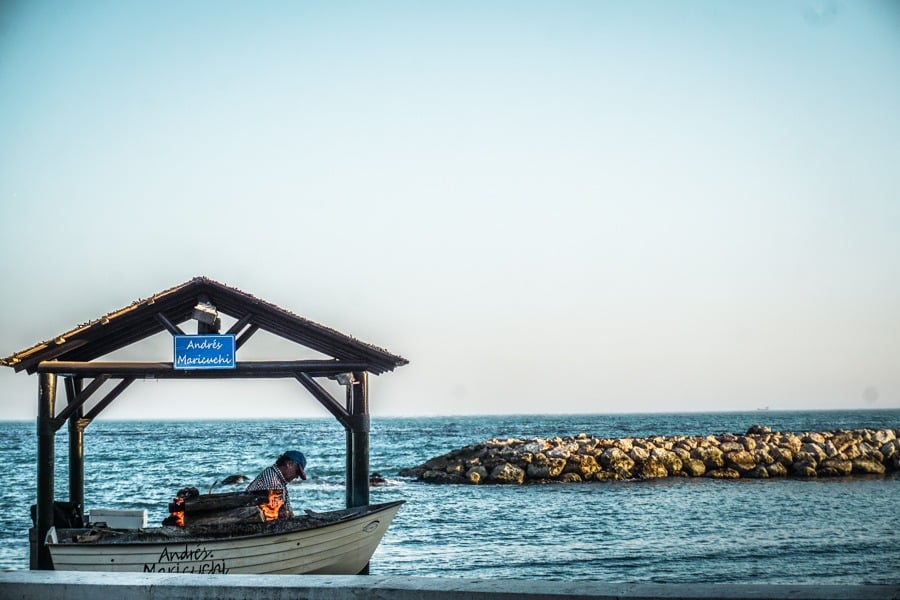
[
  {"x": 358, "y": 389},
  {"x": 46, "y": 433},
  {"x": 77, "y": 424},
  {"x": 348, "y": 454},
  {"x": 359, "y": 421},
  {"x": 348, "y": 457}
]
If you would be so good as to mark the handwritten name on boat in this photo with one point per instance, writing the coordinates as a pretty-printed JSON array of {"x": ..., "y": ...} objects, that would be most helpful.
[{"x": 197, "y": 559}]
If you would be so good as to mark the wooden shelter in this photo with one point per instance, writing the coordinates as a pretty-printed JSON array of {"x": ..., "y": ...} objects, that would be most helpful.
[{"x": 73, "y": 356}]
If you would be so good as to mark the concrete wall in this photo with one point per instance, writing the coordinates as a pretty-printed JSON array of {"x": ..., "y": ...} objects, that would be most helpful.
[{"x": 68, "y": 585}]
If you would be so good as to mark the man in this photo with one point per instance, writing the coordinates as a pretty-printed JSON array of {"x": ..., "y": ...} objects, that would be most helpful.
[{"x": 288, "y": 467}]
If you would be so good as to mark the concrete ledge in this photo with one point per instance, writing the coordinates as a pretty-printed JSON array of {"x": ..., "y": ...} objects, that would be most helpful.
[{"x": 70, "y": 585}]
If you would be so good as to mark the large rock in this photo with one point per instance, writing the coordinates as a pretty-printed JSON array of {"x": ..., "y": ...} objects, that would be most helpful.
[
  {"x": 758, "y": 430},
  {"x": 476, "y": 475},
  {"x": 757, "y": 472},
  {"x": 694, "y": 467},
  {"x": 559, "y": 452},
  {"x": 432, "y": 476},
  {"x": 624, "y": 444},
  {"x": 815, "y": 450},
  {"x": 507, "y": 473},
  {"x": 536, "y": 446},
  {"x": 607, "y": 476},
  {"x": 889, "y": 450},
  {"x": 668, "y": 458},
  {"x": 867, "y": 466},
  {"x": 584, "y": 465},
  {"x": 652, "y": 468},
  {"x": 883, "y": 436},
  {"x": 723, "y": 474},
  {"x": 682, "y": 453},
  {"x": 803, "y": 469},
  {"x": 731, "y": 446},
  {"x": 834, "y": 467},
  {"x": 777, "y": 470},
  {"x": 749, "y": 443},
  {"x": 814, "y": 438},
  {"x": 639, "y": 454},
  {"x": 806, "y": 458},
  {"x": 742, "y": 461},
  {"x": 615, "y": 458},
  {"x": 543, "y": 467},
  {"x": 784, "y": 456},
  {"x": 762, "y": 457},
  {"x": 711, "y": 456},
  {"x": 790, "y": 442}
]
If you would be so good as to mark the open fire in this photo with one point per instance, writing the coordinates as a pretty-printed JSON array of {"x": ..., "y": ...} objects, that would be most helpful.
[
  {"x": 189, "y": 507},
  {"x": 177, "y": 515},
  {"x": 271, "y": 508}
]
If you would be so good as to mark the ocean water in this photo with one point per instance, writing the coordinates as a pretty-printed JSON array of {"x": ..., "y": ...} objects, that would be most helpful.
[{"x": 673, "y": 530}]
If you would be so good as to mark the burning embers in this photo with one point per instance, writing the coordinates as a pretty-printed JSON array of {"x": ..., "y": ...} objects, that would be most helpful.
[
  {"x": 176, "y": 507},
  {"x": 271, "y": 508},
  {"x": 190, "y": 508}
]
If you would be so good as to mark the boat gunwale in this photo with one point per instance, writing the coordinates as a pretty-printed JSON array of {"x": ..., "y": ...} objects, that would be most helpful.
[{"x": 303, "y": 524}]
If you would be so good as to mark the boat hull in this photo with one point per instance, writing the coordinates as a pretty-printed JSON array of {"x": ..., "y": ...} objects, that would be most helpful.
[{"x": 339, "y": 542}]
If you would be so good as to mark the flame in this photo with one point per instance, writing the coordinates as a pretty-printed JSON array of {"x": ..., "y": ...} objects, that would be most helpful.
[
  {"x": 270, "y": 510},
  {"x": 179, "y": 514}
]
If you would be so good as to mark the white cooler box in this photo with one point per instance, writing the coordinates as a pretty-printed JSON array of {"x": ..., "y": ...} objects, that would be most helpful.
[{"x": 118, "y": 519}]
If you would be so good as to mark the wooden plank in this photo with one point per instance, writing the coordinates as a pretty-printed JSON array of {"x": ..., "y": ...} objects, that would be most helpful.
[
  {"x": 325, "y": 399},
  {"x": 245, "y": 336},
  {"x": 29, "y": 362},
  {"x": 225, "y": 501},
  {"x": 239, "y": 325},
  {"x": 77, "y": 401},
  {"x": 240, "y": 514},
  {"x": 112, "y": 395},
  {"x": 165, "y": 370},
  {"x": 169, "y": 325}
]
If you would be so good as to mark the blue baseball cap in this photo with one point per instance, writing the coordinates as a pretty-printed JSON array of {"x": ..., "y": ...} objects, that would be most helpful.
[{"x": 298, "y": 458}]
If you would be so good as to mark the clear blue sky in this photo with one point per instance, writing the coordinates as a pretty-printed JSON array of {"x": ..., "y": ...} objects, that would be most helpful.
[{"x": 545, "y": 206}]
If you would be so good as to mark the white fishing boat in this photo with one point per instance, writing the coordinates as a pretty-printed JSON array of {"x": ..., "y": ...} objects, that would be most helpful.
[{"x": 337, "y": 542}]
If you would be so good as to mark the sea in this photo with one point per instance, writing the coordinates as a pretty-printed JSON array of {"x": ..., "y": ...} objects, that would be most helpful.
[{"x": 776, "y": 531}]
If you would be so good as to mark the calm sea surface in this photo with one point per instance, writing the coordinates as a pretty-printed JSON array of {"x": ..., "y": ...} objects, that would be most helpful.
[{"x": 674, "y": 530}]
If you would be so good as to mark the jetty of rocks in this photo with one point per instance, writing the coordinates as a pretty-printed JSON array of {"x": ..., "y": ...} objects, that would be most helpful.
[{"x": 759, "y": 453}]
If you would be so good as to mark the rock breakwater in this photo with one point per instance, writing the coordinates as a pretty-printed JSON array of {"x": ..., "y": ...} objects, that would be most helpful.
[{"x": 758, "y": 454}]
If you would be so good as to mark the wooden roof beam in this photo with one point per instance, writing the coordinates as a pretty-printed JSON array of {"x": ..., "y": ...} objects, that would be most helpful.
[
  {"x": 165, "y": 370},
  {"x": 77, "y": 401},
  {"x": 169, "y": 325},
  {"x": 325, "y": 399},
  {"x": 240, "y": 324},
  {"x": 107, "y": 400}
]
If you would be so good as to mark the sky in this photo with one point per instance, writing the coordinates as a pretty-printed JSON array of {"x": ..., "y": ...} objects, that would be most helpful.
[{"x": 546, "y": 207}]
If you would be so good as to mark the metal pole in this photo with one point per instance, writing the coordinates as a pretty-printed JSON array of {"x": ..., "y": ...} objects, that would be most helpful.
[{"x": 45, "y": 458}]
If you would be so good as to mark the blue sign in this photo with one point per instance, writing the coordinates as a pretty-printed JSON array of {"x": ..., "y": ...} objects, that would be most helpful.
[{"x": 204, "y": 351}]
